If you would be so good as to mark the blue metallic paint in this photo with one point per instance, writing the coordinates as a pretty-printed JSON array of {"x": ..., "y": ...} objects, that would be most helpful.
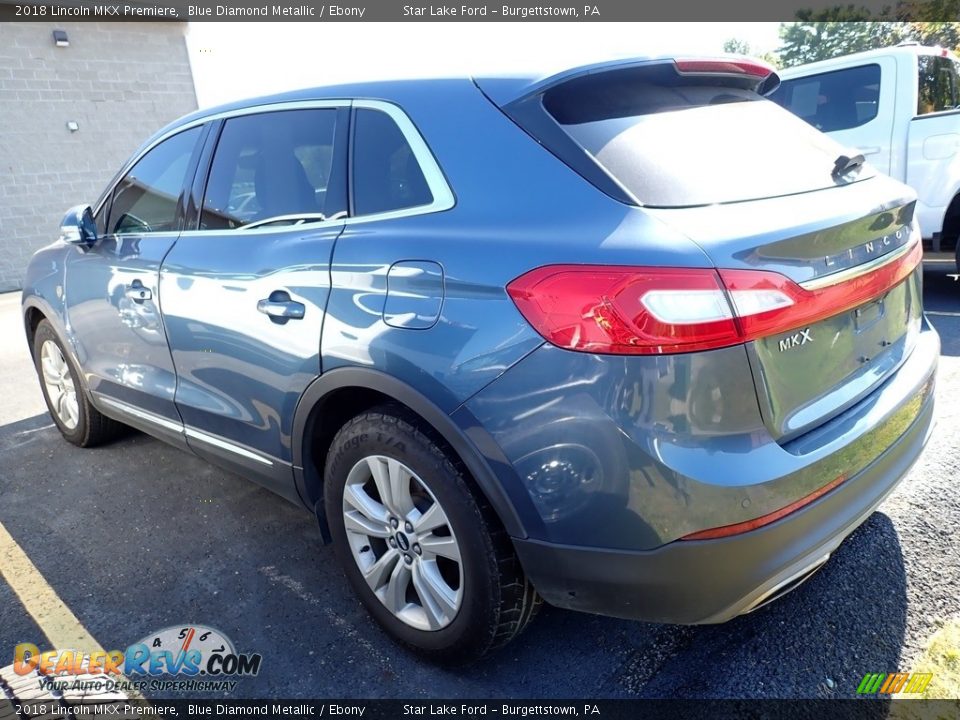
[{"x": 619, "y": 452}]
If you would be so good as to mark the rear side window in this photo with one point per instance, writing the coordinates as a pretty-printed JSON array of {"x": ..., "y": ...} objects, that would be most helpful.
[
  {"x": 385, "y": 171},
  {"x": 269, "y": 166},
  {"x": 837, "y": 100},
  {"x": 937, "y": 84},
  {"x": 687, "y": 143},
  {"x": 146, "y": 199}
]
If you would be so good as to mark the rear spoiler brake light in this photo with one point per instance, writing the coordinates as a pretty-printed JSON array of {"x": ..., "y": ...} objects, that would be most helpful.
[{"x": 732, "y": 67}]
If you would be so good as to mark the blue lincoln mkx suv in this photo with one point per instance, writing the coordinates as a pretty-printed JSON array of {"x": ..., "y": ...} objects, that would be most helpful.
[{"x": 630, "y": 338}]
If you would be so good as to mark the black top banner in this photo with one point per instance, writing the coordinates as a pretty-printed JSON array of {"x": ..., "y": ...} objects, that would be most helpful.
[{"x": 474, "y": 10}]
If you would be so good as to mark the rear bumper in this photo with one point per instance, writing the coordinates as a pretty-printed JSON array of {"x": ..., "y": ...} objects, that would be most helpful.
[{"x": 711, "y": 581}]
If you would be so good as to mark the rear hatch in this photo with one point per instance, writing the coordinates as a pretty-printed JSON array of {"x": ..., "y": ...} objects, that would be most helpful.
[{"x": 817, "y": 254}]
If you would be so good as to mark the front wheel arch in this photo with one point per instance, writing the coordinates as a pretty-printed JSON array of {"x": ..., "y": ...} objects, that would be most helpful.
[{"x": 341, "y": 394}]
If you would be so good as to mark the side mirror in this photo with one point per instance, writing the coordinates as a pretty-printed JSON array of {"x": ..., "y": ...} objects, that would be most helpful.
[{"x": 78, "y": 226}]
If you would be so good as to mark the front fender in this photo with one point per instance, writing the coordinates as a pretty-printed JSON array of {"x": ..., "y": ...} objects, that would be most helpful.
[{"x": 44, "y": 291}]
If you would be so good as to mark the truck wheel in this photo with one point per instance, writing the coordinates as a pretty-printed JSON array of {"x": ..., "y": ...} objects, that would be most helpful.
[
  {"x": 424, "y": 553},
  {"x": 76, "y": 419}
]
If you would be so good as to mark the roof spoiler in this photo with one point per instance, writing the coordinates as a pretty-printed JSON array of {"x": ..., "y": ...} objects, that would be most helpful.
[{"x": 740, "y": 70}]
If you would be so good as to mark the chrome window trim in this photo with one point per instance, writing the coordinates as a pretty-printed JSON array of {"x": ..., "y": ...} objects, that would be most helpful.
[
  {"x": 858, "y": 270},
  {"x": 443, "y": 197},
  {"x": 237, "y": 112}
]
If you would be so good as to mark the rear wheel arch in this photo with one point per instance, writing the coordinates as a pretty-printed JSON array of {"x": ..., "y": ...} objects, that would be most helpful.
[
  {"x": 339, "y": 395},
  {"x": 950, "y": 231}
]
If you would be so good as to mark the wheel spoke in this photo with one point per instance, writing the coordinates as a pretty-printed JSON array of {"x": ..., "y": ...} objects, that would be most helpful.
[
  {"x": 395, "y": 597},
  {"x": 51, "y": 373},
  {"x": 63, "y": 409},
  {"x": 439, "y": 601},
  {"x": 400, "y": 487},
  {"x": 432, "y": 519},
  {"x": 444, "y": 546},
  {"x": 73, "y": 411},
  {"x": 365, "y": 505},
  {"x": 381, "y": 477},
  {"x": 56, "y": 397},
  {"x": 356, "y": 521},
  {"x": 378, "y": 573}
]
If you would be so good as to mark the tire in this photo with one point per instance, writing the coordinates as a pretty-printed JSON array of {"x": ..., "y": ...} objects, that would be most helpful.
[
  {"x": 78, "y": 421},
  {"x": 485, "y": 599}
]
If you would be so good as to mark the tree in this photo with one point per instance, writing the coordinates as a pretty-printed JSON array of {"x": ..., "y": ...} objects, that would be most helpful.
[
  {"x": 736, "y": 47},
  {"x": 742, "y": 47},
  {"x": 944, "y": 34},
  {"x": 843, "y": 33},
  {"x": 841, "y": 30}
]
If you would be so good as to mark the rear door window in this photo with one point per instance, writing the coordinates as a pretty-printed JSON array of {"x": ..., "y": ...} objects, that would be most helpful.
[
  {"x": 271, "y": 168},
  {"x": 937, "y": 85},
  {"x": 837, "y": 100},
  {"x": 386, "y": 174}
]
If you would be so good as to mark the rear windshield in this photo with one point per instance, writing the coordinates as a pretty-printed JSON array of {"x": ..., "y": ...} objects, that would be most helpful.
[{"x": 685, "y": 144}]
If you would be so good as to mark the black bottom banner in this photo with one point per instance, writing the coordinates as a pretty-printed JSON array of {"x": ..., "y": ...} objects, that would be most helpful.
[{"x": 77, "y": 709}]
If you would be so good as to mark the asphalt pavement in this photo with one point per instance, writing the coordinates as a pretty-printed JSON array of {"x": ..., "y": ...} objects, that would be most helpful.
[{"x": 137, "y": 536}]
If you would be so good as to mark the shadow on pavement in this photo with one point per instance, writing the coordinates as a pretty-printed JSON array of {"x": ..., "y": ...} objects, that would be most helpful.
[
  {"x": 17, "y": 433},
  {"x": 137, "y": 536},
  {"x": 818, "y": 641},
  {"x": 941, "y": 302}
]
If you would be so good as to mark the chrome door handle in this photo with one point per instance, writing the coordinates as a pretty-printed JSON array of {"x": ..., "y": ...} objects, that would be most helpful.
[
  {"x": 280, "y": 308},
  {"x": 137, "y": 292}
]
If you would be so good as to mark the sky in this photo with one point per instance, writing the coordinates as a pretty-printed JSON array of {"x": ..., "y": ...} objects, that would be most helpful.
[{"x": 244, "y": 59}]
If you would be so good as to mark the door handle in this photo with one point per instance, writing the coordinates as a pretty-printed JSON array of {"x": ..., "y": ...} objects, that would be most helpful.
[
  {"x": 137, "y": 292},
  {"x": 280, "y": 308},
  {"x": 872, "y": 150}
]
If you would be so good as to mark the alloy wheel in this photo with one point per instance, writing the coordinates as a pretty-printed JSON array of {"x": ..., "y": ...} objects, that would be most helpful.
[
  {"x": 59, "y": 384},
  {"x": 403, "y": 543}
]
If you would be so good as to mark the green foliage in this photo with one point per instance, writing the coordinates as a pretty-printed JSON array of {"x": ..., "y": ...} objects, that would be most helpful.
[
  {"x": 845, "y": 29},
  {"x": 736, "y": 47},
  {"x": 742, "y": 47},
  {"x": 944, "y": 34},
  {"x": 808, "y": 41}
]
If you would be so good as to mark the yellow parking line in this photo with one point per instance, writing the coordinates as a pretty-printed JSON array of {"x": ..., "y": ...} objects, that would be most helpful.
[
  {"x": 49, "y": 612},
  {"x": 53, "y": 617}
]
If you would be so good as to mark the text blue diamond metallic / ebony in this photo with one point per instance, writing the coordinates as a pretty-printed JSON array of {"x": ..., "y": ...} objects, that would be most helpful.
[{"x": 622, "y": 338}]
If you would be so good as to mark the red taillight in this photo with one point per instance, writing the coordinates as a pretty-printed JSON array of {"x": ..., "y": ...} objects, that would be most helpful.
[
  {"x": 725, "y": 66},
  {"x": 808, "y": 306},
  {"x": 601, "y": 309},
  {"x": 651, "y": 311}
]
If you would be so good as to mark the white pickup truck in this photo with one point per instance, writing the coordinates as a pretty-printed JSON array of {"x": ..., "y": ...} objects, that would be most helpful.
[{"x": 900, "y": 107}]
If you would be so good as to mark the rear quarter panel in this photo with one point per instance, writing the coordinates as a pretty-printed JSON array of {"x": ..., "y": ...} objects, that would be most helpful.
[{"x": 517, "y": 207}]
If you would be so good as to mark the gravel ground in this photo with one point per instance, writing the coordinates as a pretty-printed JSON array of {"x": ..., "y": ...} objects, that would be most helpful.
[{"x": 137, "y": 536}]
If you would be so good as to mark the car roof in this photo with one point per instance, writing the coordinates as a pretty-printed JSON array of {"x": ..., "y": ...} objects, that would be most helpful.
[
  {"x": 505, "y": 86},
  {"x": 501, "y": 88}
]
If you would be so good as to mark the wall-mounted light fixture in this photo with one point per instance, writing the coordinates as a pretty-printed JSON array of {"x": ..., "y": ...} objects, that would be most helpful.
[
  {"x": 60, "y": 38},
  {"x": 72, "y": 126}
]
